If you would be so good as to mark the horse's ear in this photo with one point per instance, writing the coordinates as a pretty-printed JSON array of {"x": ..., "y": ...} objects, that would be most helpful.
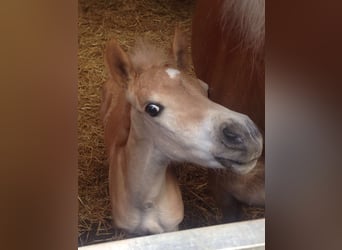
[
  {"x": 180, "y": 49},
  {"x": 118, "y": 63}
]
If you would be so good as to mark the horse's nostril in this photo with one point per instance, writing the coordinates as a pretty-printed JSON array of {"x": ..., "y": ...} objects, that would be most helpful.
[{"x": 231, "y": 137}]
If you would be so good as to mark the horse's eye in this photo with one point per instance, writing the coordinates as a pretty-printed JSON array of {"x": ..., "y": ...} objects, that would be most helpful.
[{"x": 153, "y": 109}]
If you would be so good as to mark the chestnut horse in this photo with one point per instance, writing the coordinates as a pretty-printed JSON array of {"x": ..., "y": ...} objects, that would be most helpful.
[
  {"x": 228, "y": 54},
  {"x": 163, "y": 115}
]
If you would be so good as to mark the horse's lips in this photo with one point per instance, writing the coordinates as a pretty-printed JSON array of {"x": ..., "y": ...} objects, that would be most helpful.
[{"x": 236, "y": 166}]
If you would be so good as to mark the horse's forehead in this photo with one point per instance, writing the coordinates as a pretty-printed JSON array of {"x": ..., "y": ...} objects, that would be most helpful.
[
  {"x": 172, "y": 73},
  {"x": 162, "y": 83},
  {"x": 160, "y": 75},
  {"x": 158, "y": 79}
]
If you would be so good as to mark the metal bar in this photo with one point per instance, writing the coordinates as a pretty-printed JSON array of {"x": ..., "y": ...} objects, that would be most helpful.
[{"x": 241, "y": 235}]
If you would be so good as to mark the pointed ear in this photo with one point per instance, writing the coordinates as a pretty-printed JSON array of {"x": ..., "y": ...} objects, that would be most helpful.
[
  {"x": 180, "y": 49},
  {"x": 118, "y": 63}
]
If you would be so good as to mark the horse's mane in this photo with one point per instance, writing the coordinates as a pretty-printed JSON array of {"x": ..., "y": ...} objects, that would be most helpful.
[
  {"x": 145, "y": 55},
  {"x": 248, "y": 17}
]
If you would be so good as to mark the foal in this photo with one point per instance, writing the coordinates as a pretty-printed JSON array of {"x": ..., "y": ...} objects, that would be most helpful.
[{"x": 163, "y": 114}]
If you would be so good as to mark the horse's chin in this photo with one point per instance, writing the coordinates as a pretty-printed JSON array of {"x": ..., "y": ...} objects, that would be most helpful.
[{"x": 237, "y": 166}]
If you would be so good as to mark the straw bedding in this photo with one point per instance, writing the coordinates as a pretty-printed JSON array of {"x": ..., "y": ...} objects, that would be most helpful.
[{"x": 100, "y": 20}]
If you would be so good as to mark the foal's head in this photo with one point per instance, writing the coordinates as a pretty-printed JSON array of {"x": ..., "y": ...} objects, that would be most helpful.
[{"x": 171, "y": 109}]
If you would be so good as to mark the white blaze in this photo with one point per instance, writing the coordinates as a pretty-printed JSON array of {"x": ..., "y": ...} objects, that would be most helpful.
[{"x": 172, "y": 72}]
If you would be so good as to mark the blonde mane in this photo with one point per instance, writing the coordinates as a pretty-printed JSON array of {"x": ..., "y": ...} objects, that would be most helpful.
[
  {"x": 145, "y": 55},
  {"x": 248, "y": 17}
]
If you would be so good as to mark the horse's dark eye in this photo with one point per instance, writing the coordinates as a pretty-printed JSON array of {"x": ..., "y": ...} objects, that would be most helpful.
[{"x": 153, "y": 109}]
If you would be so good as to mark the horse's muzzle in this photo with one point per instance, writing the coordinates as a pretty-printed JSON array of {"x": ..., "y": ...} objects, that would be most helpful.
[{"x": 242, "y": 143}]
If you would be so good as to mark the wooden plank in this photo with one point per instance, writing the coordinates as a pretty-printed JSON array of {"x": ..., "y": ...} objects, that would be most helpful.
[{"x": 241, "y": 235}]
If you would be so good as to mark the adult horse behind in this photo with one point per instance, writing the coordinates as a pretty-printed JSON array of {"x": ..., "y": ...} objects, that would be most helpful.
[
  {"x": 163, "y": 115},
  {"x": 228, "y": 53}
]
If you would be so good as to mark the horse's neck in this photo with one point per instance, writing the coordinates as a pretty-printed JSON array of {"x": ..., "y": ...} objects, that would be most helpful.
[
  {"x": 145, "y": 169},
  {"x": 144, "y": 195},
  {"x": 142, "y": 166}
]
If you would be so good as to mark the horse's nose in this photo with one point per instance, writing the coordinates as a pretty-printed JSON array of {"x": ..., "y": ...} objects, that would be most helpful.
[
  {"x": 244, "y": 136},
  {"x": 230, "y": 136}
]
